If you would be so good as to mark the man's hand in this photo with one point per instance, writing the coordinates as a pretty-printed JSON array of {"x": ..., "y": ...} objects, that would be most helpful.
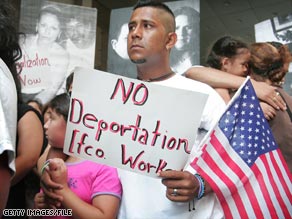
[{"x": 182, "y": 186}]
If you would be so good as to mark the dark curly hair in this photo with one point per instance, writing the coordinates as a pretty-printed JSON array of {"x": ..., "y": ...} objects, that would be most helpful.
[
  {"x": 10, "y": 51},
  {"x": 224, "y": 47}
]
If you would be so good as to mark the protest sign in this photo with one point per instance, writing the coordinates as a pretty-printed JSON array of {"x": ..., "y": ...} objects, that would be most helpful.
[{"x": 131, "y": 124}]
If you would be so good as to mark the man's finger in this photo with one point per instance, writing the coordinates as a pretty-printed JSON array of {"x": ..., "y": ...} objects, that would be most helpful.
[{"x": 171, "y": 174}]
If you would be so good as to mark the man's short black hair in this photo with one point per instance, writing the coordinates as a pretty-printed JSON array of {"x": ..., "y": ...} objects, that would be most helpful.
[{"x": 154, "y": 4}]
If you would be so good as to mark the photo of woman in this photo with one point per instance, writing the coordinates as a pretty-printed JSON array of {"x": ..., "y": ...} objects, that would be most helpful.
[{"x": 44, "y": 62}]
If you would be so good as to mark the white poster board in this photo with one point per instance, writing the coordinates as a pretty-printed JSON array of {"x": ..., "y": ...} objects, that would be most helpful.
[{"x": 131, "y": 124}]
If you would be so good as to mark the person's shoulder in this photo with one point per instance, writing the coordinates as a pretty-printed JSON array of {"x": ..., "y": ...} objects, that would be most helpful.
[
  {"x": 190, "y": 84},
  {"x": 5, "y": 74},
  {"x": 24, "y": 108}
]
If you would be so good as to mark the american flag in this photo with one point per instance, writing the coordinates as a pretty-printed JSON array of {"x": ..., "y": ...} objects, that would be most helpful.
[{"x": 242, "y": 163}]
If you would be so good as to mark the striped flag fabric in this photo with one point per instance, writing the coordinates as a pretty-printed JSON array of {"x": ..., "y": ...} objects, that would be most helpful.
[{"x": 243, "y": 164}]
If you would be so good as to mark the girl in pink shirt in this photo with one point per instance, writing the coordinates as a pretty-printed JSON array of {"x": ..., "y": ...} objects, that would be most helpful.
[{"x": 89, "y": 189}]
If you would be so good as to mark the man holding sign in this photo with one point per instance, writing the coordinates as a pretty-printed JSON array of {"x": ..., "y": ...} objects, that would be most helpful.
[{"x": 150, "y": 39}]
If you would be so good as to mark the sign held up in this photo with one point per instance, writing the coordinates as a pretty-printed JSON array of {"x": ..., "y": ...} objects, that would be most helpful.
[{"x": 131, "y": 124}]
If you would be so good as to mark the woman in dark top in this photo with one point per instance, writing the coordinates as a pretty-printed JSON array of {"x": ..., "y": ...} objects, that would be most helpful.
[{"x": 29, "y": 144}]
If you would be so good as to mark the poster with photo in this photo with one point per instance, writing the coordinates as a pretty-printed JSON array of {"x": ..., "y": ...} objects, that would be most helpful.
[
  {"x": 187, "y": 48},
  {"x": 56, "y": 38},
  {"x": 277, "y": 29}
]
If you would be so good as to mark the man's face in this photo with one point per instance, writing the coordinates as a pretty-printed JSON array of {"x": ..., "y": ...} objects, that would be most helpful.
[
  {"x": 78, "y": 32},
  {"x": 184, "y": 31},
  {"x": 147, "y": 35}
]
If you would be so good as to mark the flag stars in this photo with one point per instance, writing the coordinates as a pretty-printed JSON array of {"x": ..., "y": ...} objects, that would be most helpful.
[{"x": 245, "y": 127}]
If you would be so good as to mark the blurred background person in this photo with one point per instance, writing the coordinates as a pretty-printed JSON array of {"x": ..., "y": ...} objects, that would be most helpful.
[
  {"x": 10, "y": 52},
  {"x": 186, "y": 51},
  {"x": 80, "y": 37},
  {"x": 118, "y": 59},
  {"x": 44, "y": 62},
  {"x": 119, "y": 44}
]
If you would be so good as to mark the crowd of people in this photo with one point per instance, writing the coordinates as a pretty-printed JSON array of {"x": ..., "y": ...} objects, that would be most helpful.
[{"x": 35, "y": 173}]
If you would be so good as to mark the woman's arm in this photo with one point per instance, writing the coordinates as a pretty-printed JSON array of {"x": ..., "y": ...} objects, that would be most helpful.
[
  {"x": 220, "y": 79},
  {"x": 30, "y": 142}
]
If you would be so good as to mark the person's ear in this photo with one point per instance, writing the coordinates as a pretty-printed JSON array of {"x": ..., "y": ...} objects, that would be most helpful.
[
  {"x": 114, "y": 43},
  {"x": 171, "y": 40},
  {"x": 36, "y": 28},
  {"x": 225, "y": 63}
]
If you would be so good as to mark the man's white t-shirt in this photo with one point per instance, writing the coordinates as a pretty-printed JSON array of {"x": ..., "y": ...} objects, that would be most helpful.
[
  {"x": 144, "y": 197},
  {"x": 8, "y": 114}
]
